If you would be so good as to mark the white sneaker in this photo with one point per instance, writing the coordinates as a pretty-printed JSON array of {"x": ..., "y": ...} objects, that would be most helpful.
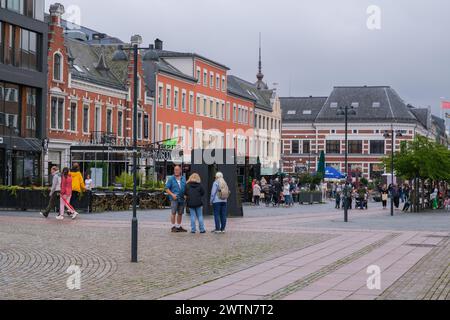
[
  {"x": 74, "y": 215},
  {"x": 60, "y": 217}
]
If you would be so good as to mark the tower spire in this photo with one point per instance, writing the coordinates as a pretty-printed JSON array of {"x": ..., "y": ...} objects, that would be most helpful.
[{"x": 260, "y": 75}]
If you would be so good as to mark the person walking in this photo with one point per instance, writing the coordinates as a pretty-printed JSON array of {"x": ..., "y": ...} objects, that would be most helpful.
[
  {"x": 66, "y": 195},
  {"x": 287, "y": 193},
  {"x": 219, "y": 199},
  {"x": 338, "y": 200},
  {"x": 54, "y": 191},
  {"x": 78, "y": 186},
  {"x": 384, "y": 197},
  {"x": 175, "y": 188},
  {"x": 256, "y": 194},
  {"x": 194, "y": 194}
]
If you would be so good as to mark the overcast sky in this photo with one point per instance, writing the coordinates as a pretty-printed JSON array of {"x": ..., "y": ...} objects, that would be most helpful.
[{"x": 308, "y": 46}]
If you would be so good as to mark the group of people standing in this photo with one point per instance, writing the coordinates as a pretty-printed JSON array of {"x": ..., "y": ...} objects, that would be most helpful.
[
  {"x": 274, "y": 192},
  {"x": 67, "y": 185},
  {"x": 190, "y": 194}
]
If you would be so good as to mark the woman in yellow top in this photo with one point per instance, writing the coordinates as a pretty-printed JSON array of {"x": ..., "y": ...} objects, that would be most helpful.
[{"x": 78, "y": 185}]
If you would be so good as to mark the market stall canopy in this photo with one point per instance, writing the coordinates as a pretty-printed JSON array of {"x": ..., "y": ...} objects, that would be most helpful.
[{"x": 332, "y": 173}]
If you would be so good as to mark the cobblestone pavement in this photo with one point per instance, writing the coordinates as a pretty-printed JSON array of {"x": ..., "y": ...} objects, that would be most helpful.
[{"x": 305, "y": 252}]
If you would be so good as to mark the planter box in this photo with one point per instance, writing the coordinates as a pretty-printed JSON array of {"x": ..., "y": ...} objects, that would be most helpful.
[
  {"x": 36, "y": 200},
  {"x": 310, "y": 197}
]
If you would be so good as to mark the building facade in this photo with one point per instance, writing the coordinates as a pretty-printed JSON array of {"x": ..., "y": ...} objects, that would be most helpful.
[
  {"x": 194, "y": 104},
  {"x": 23, "y": 87},
  {"x": 90, "y": 102},
  {"x": 312, "y": 125}
]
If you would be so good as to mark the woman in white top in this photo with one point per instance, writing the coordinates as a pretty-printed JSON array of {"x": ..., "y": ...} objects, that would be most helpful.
[{"x": 89, "y": 183}]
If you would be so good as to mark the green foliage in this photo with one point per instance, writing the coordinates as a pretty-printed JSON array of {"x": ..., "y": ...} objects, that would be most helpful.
[
  {"x": 14, "y": 189},
  {"x": 154, "y": 185},
  {"x": 364, "y": 182},
  {"x": 421, "y": 158}
]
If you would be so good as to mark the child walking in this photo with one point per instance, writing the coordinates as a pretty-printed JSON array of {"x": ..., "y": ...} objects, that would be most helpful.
[{"x": 66, "y": 195}]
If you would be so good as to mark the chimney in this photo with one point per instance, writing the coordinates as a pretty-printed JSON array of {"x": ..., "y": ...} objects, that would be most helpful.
[
  {"x": 56, "y": 12},
  {"x": 158, "y": 44},
  {"x": 136, "y": 40}
]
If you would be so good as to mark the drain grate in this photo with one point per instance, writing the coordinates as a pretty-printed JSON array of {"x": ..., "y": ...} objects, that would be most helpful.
[{"x": 421, "y": 245}]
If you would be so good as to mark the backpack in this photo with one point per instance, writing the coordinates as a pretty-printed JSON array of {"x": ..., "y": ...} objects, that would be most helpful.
[{"x": 224, "y": 191}]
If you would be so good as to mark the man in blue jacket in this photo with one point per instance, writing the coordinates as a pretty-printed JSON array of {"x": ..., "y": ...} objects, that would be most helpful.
[{"x": 175, "y": 187}]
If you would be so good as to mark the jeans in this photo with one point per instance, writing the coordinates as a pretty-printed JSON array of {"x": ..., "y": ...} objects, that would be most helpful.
[
  {"x": 220, "y": 215},
  {"x": 197, "y": 213}
]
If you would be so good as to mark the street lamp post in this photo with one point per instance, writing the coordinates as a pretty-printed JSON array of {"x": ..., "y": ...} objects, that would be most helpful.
[
  {"x": 120, "y": 55},
  {"x": 393, "y": 134},
  {"x": 346, "y": 111}
]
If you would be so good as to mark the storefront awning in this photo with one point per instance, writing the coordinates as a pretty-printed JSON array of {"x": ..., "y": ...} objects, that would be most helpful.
[{"x": 22, "y": 144}]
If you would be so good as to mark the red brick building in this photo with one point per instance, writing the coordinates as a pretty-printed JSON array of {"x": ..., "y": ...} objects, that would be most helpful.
[
  {"x": 90, "y": 103},
  {"x": 312, "y": 125}
]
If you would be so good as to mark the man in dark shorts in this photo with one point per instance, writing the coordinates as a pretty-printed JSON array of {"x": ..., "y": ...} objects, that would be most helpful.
[{"x": 175, "y": 187}]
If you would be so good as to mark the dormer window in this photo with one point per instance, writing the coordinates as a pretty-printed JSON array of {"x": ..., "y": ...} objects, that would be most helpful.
[
  {"x": 307, "y": 112},
  {"x": 334, "y": 105},
  {"x": 376, "y": 105},
  {"x": 292, "y": 112},
  {"x": 355, "y": 104}
]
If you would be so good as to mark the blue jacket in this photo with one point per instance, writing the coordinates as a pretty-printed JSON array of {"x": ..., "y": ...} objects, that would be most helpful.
[
  {"x": 215, "y": 194},
  {"x": 173, "y": 186}
]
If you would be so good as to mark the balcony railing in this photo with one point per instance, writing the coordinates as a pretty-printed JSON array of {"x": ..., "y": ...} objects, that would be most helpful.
[{"x": 103, "y": 138}]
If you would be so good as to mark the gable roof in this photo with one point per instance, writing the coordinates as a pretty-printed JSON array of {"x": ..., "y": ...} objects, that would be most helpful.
[
  {"x": 84, "y": 60},
  {"x": 175, "y": 54},
  {"x": 297, "y": 109},
  {"x": 390, "y": 107},
  {"x": 262, "y": 97}
]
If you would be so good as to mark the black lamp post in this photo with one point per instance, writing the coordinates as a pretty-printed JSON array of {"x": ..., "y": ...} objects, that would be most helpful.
[
  {"x": 392, "y": 134},
  {"x": 120, "y": 55},
  {"x": 346, "y": 111}
]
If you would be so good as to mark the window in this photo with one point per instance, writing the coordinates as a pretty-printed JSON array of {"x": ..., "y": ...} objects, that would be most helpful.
[
  {"x": 295, "y": 147},
  {"x": 205, "y": 106},
  {"x": 73, "y": 117},
  {"x": 333, "y": 147},
  {"x": 57, "y": 114},
  {"x": 228, "y": 111},
  {"x": 198, "y": 106},
  {"x": 30, "y": 8},
  {"x": 334, "y": 105},
  {"x": 139, "y": 88},
  {"x": 109, "y": 121},
  {"x": 377, "y": 147},
  {"x": 160, "y": 95},
  {"x": 211, "y": 80},
  {"x": 223, "y": 84},
  {"x": 217, "y": 82},
  {"x": 23, "y": 47},
  {"x": 175, "y": 99},
  {"x": 183, "y": 101},
  {"x": 168, "y": 97},
  {"x": 306, "y": 147},
  {"x": 57, "y": 67},
  {"x": 146, "y": 127},
  {"x": 168, "y": 132},
  {"x": 160, "y": 136},
  {"x": 191, "y": 138},
  {"x": 120, "y": 123},
  {"x": 355, "y": 105},
  {"x": 355, "y": 147},
  {"x": 217, "y": 112},
  {"x": 205, "y": 77},
  {"x": 211, "y": 108},
  {"x": 31, "y": 112},
  {"x": 199, "y": 75},
  {"x": 191, "y": 103},
  {"x": 307, "y": 112},
  {"x": 376, "y": 105},
  {"x": 139, "y": 128},
  {"x": 234, "y": 113}
]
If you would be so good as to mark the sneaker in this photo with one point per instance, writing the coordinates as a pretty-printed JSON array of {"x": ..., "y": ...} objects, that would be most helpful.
[
  {"x": 181, "y": 229},
  {"x": 60, "y": 217},
  {"x": 45, "y": 215},
  {"x": 174, "y": 230},
  {"x": 223, "y": 232},
  {"x": 202, "y": 232},
  {"x": 194, "y": 232},
  {"x": 215, "y": 231},
  {"x": 74, "y": 215}
]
